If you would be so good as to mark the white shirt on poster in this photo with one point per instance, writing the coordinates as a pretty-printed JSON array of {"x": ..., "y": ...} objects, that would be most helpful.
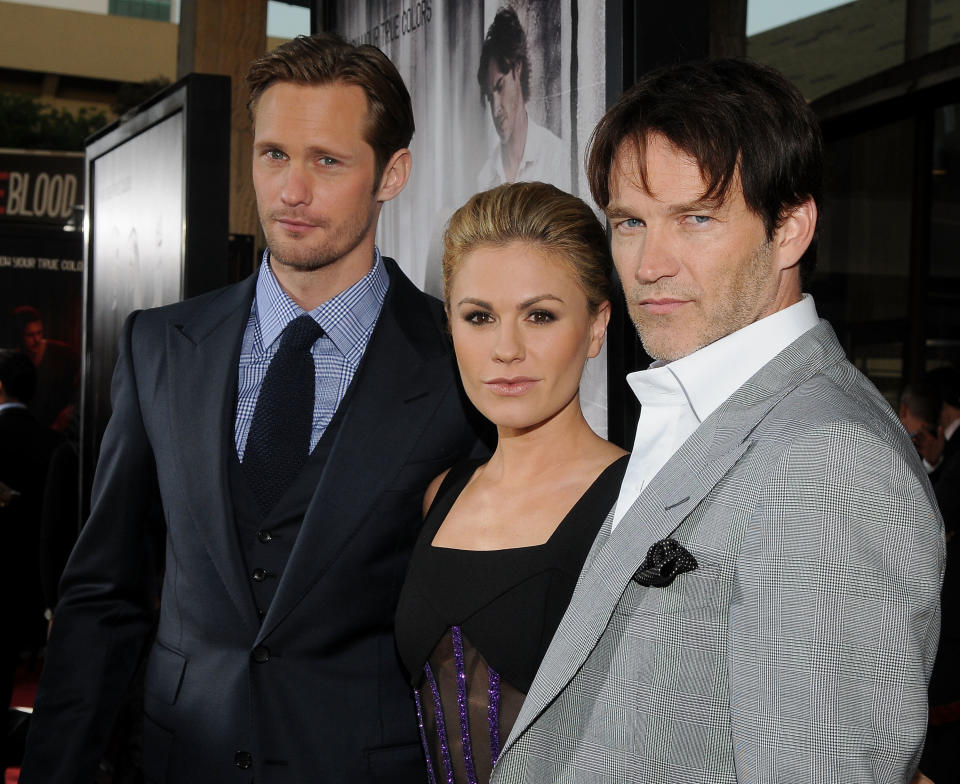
[
  {"x": 545, "y": 159},
  {"x": 675, "y": 397}
]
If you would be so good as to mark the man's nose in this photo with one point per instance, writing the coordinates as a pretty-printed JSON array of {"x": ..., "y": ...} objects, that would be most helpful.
[
  {"x": 657, "y": 257},
  {"x": 296, "y": 187}
]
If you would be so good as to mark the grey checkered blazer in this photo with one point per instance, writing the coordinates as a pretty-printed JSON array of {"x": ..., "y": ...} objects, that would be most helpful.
[{"x": 799, "y": 650}]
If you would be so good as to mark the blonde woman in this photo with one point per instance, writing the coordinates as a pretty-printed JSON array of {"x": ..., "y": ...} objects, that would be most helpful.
[{"x": 526, "y": 285}]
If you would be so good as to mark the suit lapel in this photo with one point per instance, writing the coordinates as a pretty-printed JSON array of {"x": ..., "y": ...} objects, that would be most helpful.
[
  {"x": 668, "y": 499},
  {"x": 397, "y": 388},
  {"x": 659, "y": 510},
  {"x": 204, "y": 355}
]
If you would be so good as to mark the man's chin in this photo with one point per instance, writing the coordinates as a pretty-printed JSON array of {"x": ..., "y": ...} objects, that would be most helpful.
[
  {"x": 302, "y": 264},
  {"x": 659, "y": 340}
]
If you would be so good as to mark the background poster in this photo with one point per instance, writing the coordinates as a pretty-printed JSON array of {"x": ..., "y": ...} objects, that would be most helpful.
[
  {"x": 41, "y": 267},
  {"x": 436, "y": 45}
]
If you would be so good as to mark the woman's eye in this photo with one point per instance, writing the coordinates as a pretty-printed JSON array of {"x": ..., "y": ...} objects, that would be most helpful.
[
  {"x": 541, "y": 317},
  {"x": 478, "y": 317}
]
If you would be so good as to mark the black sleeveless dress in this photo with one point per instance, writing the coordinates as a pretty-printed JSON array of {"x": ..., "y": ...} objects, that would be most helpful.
[{"x": 473, "y": 625}]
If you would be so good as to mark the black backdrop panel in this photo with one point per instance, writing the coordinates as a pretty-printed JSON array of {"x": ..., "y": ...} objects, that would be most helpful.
[{"x": 157, "y": 224}]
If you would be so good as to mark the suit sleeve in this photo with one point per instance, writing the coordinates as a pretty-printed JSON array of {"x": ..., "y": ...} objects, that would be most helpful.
[
  {"x": 835, "y": 616},
  {"x": 107, "y": 598}
]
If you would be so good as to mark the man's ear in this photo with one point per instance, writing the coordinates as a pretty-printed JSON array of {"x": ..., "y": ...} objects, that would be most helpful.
[
  {"x": 395, "y": 175},
  {"x": 795, "y": 233}
]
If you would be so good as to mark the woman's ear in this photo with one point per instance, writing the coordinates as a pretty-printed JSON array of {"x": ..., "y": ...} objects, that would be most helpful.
[{"x": 598, "y": 328}]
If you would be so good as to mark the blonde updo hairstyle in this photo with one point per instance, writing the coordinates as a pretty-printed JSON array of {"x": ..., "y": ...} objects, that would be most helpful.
[{"x": 536, "y": 213}]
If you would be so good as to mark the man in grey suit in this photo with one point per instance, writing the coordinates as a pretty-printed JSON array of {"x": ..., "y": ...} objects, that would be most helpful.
[{"x": 762, "y": 603}]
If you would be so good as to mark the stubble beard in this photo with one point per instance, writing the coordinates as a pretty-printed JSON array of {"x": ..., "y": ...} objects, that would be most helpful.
[
  {"x": 745, "y": 296},
  {"x": 304, "y": 256}
]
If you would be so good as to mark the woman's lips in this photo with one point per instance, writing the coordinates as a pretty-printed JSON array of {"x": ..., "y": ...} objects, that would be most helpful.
[{"x": 510, "y": 387}]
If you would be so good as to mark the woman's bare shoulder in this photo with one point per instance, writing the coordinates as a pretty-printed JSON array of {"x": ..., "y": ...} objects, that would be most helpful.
[{"x": 431, "y": 492}]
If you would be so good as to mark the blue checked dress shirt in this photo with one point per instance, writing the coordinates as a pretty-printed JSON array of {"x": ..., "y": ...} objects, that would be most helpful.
[{"x": 347, "y": 321}]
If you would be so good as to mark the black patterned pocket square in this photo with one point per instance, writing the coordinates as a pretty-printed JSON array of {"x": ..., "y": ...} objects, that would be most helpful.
[{"x": 665, "y": 560}]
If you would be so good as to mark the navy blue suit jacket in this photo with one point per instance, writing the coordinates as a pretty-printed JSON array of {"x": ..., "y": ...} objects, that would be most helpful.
[{"x": 331, "y": 704}]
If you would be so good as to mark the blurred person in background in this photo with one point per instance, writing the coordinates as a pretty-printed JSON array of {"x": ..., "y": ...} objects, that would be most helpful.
[
  {"x": 58, "y": 370},
  {"x": 941, "y": 756}
]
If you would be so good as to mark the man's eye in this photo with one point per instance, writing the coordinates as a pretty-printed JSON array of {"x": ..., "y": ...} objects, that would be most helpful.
[
  {"x": 631, "y": 223},
  {"x": 699, "y": 220},
  {"x": 275, "y": 155},
  {"x": 326, "y": 160}
]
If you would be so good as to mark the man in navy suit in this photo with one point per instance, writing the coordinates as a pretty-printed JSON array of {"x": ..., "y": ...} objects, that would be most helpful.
[{"x": 274, "y": 658}]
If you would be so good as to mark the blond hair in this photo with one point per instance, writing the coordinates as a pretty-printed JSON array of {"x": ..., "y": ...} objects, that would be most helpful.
[{"x": 541, "y": 215}]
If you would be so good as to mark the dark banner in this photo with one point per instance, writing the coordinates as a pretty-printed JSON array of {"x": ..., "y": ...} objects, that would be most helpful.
[{"x": 39, "y": 188}]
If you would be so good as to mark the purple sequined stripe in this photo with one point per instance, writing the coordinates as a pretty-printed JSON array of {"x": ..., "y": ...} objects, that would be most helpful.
[
  {"x": 441, "y": 725},
  {"x": 423, "y": 738},
  {"x": 493, "y": 713},
  {"x": 462, "y": 705}
]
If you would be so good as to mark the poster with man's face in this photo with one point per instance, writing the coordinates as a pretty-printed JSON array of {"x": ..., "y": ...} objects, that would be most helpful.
[{"x": 502, "y": 92}]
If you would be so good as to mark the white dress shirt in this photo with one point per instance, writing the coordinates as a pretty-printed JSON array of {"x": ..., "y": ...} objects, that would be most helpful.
[
  {"x": 950, "y": 429},
  {"x": 676, "y": 397}
]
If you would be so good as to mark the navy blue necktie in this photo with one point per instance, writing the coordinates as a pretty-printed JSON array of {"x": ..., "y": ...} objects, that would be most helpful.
[{"x": 279, "y": 440}]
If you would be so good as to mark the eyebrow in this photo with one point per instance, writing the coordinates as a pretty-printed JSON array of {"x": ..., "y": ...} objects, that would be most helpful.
[
  {"x": 616, "y": 211},
  {"x": 705, "y": 203},
  {"x": 328, "y": 153},
  {"x": 522, "y": 306}
]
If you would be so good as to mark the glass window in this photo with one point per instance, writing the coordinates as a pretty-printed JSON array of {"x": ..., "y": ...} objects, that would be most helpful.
[
  {"x": 944, "y": 24},
  {"x": 861, "y": 284},
  {"x": 836, "y": 47},
  {"x": 285, "y": 20},
  {"x": 943, "y": 293},
  {"x": 823, "y": 45},
  {"x": 143, "y": 9}
]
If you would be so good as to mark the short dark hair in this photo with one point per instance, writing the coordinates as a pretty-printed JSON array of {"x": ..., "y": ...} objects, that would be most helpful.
[
  {"x": 922, "y": 399},
  {"x": 732, "y": 116},
  {"x": 505, "y": 44},
  {"x": 23, "y": 315},
  {"x": 17, "y": 374},
  {"x": 325, "y": 58}
]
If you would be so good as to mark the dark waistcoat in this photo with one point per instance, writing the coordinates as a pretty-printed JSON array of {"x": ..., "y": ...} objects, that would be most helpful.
[{"x": 267, "y": 540}]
